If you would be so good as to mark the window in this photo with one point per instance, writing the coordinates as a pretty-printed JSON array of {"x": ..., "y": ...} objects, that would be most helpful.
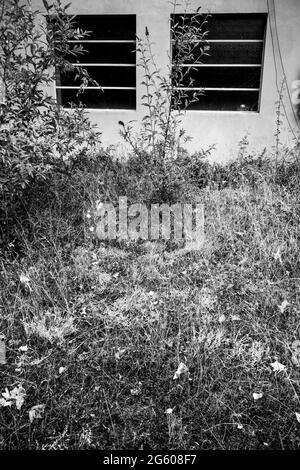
[
  {"x": 110, "y": 60},
  {"x": 231, "y": 75}
]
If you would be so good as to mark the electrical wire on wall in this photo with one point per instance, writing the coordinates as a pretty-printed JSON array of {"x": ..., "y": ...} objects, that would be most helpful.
[{"x": 275, "y": 36}]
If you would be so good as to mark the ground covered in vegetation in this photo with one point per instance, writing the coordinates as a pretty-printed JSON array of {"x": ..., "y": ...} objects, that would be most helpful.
[{"x": 95, "y": 332}]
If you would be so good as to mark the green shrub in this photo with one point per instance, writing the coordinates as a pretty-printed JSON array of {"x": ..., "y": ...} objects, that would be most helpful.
[
  {"x": 157, "y": 149},
  {"x": 38, "y": 139}
]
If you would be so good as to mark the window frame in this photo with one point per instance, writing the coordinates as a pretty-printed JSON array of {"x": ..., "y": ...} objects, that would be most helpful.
[
  {"x": 263, "y": 15},
  {"x": 98, "y": 64}
]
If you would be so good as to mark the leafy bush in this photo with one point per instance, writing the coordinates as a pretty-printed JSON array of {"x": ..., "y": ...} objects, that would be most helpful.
[
  {"x": 157, "y": 149},
  {"x": 38, "y": 139}
]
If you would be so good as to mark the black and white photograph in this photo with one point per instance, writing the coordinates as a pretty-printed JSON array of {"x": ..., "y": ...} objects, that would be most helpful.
[{"x": 149, "y": 229}]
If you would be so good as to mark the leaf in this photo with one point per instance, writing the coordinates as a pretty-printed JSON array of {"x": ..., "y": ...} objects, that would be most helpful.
[
  {"x": 6, "y": 394},
  {"x": 257, "y": 396},
  {"x": 19, "y": 395},
  {"x": 278, "y": 367},
  {"x": 182, "y": 369},
  {"x": 36, "y": 412},
  {"x": 2, "y": 350},
  {"x": 4, "y": 403},
  {"x": 16, "y": 395}
]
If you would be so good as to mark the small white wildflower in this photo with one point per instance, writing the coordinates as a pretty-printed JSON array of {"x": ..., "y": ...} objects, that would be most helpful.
[
  {"x": 169, "y": 411},
  {"x": 120, "y": 353},
  {"x": 25, "y": 283},
  {"x": 283, "y": 306},
  {"x": 277, "y": 255},
  {"x": 24, "y": 279},
  {"x": 23, "y": 348},
  {"x": 257, "y": 396},
  {"x": 99, "y": 207},
  {"x": 91, "y": 229},
  {"x": 182, "y": 369},
  {"x": 235, "y": 317}
]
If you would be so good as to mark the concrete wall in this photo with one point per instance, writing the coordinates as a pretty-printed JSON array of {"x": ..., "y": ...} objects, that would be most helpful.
[{"x": 225, "y": 129}]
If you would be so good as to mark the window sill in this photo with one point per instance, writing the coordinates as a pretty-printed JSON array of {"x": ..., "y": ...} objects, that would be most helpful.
[
  {"x": 91, "y": 110},
  {"x": 216, "y": 111}
]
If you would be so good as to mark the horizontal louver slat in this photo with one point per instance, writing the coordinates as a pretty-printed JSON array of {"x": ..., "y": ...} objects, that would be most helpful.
[
  {"x": 224, "y": 77},
  {"x": 226, "y": 101},
  {"x": 105, "y": 76},
  {"x": 105, "y": 53},
  {"x": 228, "y": 53},
  {"x": 98, "y": 99}
]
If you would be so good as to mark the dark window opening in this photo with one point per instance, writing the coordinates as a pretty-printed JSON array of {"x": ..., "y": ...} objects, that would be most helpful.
[
  {"x": 110, "y": 60},
  {"x": 231, "y": 74}
]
